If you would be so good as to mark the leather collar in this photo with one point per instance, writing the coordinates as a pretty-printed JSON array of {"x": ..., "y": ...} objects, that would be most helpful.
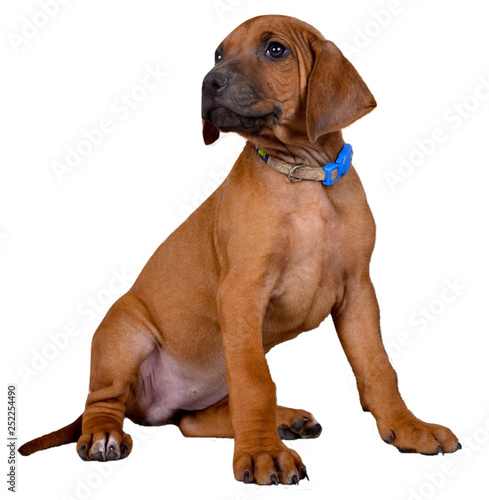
[{"x": 328, "y": 174}]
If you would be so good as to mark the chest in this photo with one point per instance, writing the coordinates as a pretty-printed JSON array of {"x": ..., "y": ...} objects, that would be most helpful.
[{"x": 323, "y": 246}]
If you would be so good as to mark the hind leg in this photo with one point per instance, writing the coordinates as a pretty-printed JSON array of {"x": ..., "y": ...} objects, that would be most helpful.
[
  {"x": 215, "y": 421},
  {"x": 119, "y": 346}
]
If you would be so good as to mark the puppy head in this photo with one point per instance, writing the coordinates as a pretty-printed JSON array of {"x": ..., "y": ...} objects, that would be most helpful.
[{"x": 277, "y": 78}]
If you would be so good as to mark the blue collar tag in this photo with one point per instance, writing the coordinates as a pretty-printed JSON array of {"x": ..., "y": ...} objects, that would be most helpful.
[{"x": 340, "y": 167}]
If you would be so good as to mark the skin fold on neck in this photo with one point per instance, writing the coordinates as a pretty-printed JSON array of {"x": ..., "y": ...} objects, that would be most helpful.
[{"x": 324, "y": 150}]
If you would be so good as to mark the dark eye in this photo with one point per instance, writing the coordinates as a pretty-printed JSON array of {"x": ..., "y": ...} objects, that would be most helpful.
[
  {"x": 217, "y": 56},
  {"x": 276, "y": 50}
]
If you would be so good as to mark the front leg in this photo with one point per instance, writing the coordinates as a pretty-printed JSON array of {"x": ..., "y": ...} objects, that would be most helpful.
[
  {"x": 357, "y": 322},
  {"x": 259, "y": 454}
]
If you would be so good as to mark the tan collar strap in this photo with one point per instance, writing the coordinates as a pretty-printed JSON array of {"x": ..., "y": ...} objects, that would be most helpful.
[{"x": 328, "y": 174}]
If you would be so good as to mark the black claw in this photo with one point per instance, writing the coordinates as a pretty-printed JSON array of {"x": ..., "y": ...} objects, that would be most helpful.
[
  {"x": 297, "y": 425},
  {"x": 82, "y": 454},
  {"x": 440, "y": 450},
  {"x": 304, "y": 473},
  {"x": 124, "y": 451},
  {"x": 246, "y": 476},
  {"x": 459, "y": 446},
  {"x": 113, "y": 453},
  {"x": 295, "y": 479},
  {"x": 313, "y": 431},
  {"x": 273, "y": 479},
  {"x": 390, "y": 437},
  {"x": 99, "y": 457},
  {"x": 286, "y": 433}
]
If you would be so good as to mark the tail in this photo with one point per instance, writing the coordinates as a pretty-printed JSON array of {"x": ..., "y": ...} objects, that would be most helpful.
[{"x": 68, "y": 434}]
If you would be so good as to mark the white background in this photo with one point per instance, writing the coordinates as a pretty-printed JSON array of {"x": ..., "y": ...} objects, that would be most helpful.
[{"x": 61, "y": 241}]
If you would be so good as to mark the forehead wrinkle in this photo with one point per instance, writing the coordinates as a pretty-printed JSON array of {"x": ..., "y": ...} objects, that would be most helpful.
[
  {"x": 294, "y": 36},
  {"x": 297, "y": 35},
  {"x": 300, "y": 40}
]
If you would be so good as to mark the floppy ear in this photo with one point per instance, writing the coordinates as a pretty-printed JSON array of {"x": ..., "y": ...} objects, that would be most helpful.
[
  {"x": 210, "y": 132},
  {"x": 336, "y": 94}
]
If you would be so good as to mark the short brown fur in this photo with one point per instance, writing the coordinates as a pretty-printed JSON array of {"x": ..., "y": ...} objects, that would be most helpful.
[{"x": 261, "y": 261}]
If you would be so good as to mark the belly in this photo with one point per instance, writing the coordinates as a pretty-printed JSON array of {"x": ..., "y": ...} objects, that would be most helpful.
[{"x": 166, "y": 386}]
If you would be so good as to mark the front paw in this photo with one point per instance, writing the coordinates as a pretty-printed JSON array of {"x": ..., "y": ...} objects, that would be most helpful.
[
  {"x": 268, "y": 465},
  {"x": 411, "y": 435}
]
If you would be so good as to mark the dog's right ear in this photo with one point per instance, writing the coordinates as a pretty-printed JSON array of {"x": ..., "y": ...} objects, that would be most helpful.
[{"x": 210, "y": 132}]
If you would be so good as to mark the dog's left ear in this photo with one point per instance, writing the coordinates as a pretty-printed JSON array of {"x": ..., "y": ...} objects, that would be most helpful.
[
  {"x": 336, "y": 94},
  {"x": 210, "y": 132}
]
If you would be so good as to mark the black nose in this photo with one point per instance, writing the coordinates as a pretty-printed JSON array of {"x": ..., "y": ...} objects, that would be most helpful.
[{"x": 214, "y": 83}]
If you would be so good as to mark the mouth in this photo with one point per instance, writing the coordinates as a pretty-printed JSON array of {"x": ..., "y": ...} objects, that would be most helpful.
[{"x": 227, "y": 120}]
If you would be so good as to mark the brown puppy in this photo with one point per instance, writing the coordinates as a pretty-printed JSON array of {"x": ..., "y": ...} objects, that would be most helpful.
[{"x": 262, "y": 260}]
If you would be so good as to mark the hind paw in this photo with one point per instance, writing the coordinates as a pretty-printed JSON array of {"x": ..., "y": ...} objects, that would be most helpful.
[
  {"x": 296, "y": 424},
  {"x": 104, "y": 446}
]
